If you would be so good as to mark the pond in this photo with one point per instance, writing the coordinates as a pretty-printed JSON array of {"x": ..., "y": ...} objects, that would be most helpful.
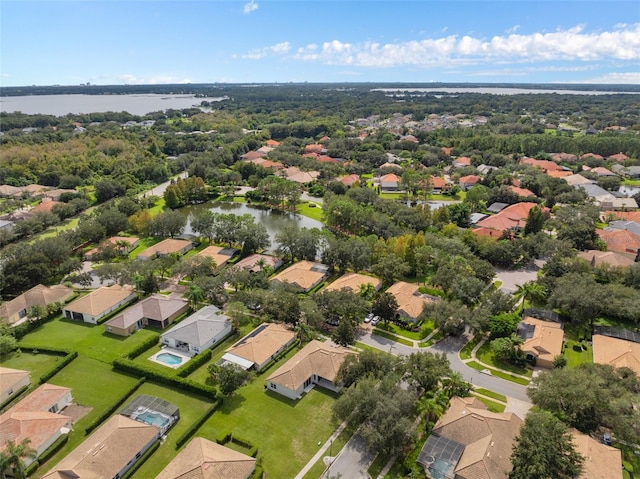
[{"x": 273, "y": 220}]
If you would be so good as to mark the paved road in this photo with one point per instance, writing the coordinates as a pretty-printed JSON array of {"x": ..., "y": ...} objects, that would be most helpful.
[
  {"x": 352, "y": 462},
  {"x": 450, "y": 346},
  {"x": 160, "y": 189},
  {"x": 512, "y": 279}
]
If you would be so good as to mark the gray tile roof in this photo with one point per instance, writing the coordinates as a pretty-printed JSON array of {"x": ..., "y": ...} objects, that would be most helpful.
[{"x": 200, "y": 327}]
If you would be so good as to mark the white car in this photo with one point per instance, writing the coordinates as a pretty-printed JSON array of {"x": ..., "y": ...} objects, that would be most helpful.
[
  {"x": 368, "y": 318},
  {"x": 375, "y": 320}
]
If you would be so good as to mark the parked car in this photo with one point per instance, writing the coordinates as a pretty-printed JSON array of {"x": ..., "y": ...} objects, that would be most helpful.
[
  {"x": 606, "y": 439},
  {"x": 375, "y": 320},
  {"x": 368, "y": 318}
]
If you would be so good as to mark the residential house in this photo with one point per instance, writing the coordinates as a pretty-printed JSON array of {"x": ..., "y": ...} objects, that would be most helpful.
[
  {"x": 165, "y": 248},
  {"x": 609, "y": 258},
  {"x": 99, "y": 303},
  {"x": 109, "y": 452},
  {"x": 600, "y": 461},
  {"x": 157, "y": 311},
  {"x": 353, "y": 282},
  {"x": 314, "y": 148},
  {"x": 123, "y": 244},
  {"x": 35, "y": 191},
  {"x": 389, "y": 182},
  {"x": 315, "y": 364},
  {"x": 260, "y": 346},
  {"x": 593, "y": 156},
  {"x": 263, "y": 162},
  {"x": 513, "y": 217},
  {"x": 545, "y": 165},
  {"x": 578, "y": 179},
  {"x": 410, "y": 300},
  {"x": 602, "y": 171},
  {"x": 542, "y": 341},
  {"x": 391, "y": 164},
  {"x": 6, "y": 225},
  {"x": 15, "y": 311},
  {"x": 12, "y": 381},
  {"x": 468, "y": 182},
  {"x": 252, "y": 155},
  {"x": 37, "y": 418},
  {"x": 273, "y": 143},
  {"x": 461, "y": 162},
  {"x": 559, "y": 174},
  {"x": 255, "y": 262},
  {"x": 618, "y": 353},
  {"x": 220, "y": 256},
  {"x": 522, "y": 192},
  {"x": 297, "y": 175},
  {"x": 202, "y": 330},
  {"x": 306, "y": 275},
  {"x": 439, "y": 185},
  {"x": 45, "y": 206},
  {"x": 567, "y": 157},
  {"x": 622, "y": 241},
  {"x": 624, "y": 215},
  {"x": 349, "y": 180},
  {"x": 497, "y": 207},
  {"x": 9, "y": 191},
  {"x": 470, "y": 442},
  {"x": 631, "y": 226},
  {"x": 55, "y": 195},
  {"x": 619, "y": 157},
  {"x": 204, "y": 459},
  {"x": 474, "y": 218}
]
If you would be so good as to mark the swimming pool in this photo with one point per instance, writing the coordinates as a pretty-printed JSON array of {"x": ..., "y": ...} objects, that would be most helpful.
[
  {"x": 169, "y": 359},
  {"x": 154, "y": 419}
]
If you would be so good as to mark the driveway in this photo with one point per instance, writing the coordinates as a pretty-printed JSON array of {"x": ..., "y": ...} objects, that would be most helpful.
[
  {"x": 352, "y": 462},
  {"x": 512, "y": 279}
]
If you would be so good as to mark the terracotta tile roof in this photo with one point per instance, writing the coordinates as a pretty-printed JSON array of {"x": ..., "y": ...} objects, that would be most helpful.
[
  {"x": 487, "y": 232},
  {"x": 596, "y": 258},
  {"x": 407, "y": 296},
  {"x": 545, "y": 165},
  {"x": 602, "y": 171},
  {"x": 622, "y": 241},
  {"x": 462, "y": 161},
  {"x": 353, "y": 281},
  {"x": 252, "y": 155},
  {"x": 470, "y": 180},
  {"x": 577, "y": 179},
  {"x": 273, "y": 143},
  {"x": 591, "y": 155},
  {"x": 259, "y": 347},
  {"x": 107, "y": 451},
  {"x": 42, "y": 399},
  {"x": 511, "y": 217},
  {"x": 204, "y": 459},
  {"x": 327, "y": 159},
  {"x": 349, "y": 180},
  {"x": 250, "y": 263},
  {"x": 390, "y": 179},
  {"x": 313, "y": 148},
  {"x": 522, "y": 192},
  {"x": 157, "y": 307},
  {"x": 616, "y": 352},
  {"x": 10, "y": 377},
  {"x": 546, "y": 342},
  {"x": 167, "y": 246},
  {"x": 276, "y": 165},
  {"x": 305, "y": 274},
  {"x": 624, "y": 215},
  {"x": 391, "y": 165},
  {"x": 316, "y": 358},
  {"x": 220, "y": 255},
  {"x": 618, "y": 157},
  {"x": 37, "y": 426},
  {"x": 438, "y": 182},
  {"x": 296, "y": 174},
  {"x": 38, "y": 295},
  {"x": 113, "y": 241},
  {"x": 558, "y": 174},
  {"x": 100, "y": 299},
  {"x": 564, "y": 157},
  {"x": 45, "y": 206},
  {"x": 600, "y": 461},
  {"x": 446, "y": 151}
]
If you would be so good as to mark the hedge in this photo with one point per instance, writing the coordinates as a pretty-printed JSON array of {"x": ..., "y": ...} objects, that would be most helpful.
[
  {"x": 199, "y": 422},
  {"x": 258, "y": 472},
  {"x": 170, "y": 379},
  {"x": 142, "y": 347},
  {"x": 53, "y": 449},
  {"x": 138, "y": 464},
  {"x": 13, "y": 397},
  {"x": 194, "y": 363},
  {"x": 66, "y": 360},
  {"x": 100, "y": 419},
  {"x": 226, "y": 437}
]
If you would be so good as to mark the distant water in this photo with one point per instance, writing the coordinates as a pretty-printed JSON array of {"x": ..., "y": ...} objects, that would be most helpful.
[
  {"x": 500, "y": 91},
  {"x": 60, "y": 105}
]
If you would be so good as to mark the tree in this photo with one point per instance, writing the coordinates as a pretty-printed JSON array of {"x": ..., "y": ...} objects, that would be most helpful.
[
  {"x": 390, "y": 268},
  {"x": 369, "y": 363},
  {"x": 506, "y": 348},
  {"x": 544, "y": 450},
  {"x": 503, "y": 325},
  {"x": 531, "y": 291},
  {"x": 385, "y": 306},
  {"x": 580, "y": 297},
  {"x": 449, "y": 316},
  {"x": 560, "y": 361},
  {"x": 455, "y": 385},
  {"x": 344, "y": 334},
  {"x": 425, "y": 369},
  {"x": 228, "y": 377},
  {"x": 168, "y": 224},
  {"x": 194, "y": 295},
  {"x": 12, "y": 458},
  {"x": 535, "y": 221},
  {"x": 7, "y": 344},
  {"x": 36, "y": 312}
]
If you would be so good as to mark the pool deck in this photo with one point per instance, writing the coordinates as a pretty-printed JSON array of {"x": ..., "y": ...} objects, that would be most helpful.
[{"x": 184, "y": 357}]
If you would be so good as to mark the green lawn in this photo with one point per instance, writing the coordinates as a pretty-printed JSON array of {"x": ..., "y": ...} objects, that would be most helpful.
[
  {"x": 425, "y": 330},
  {"x": 143, "y": 245},
  {"x": 313, "y": 212},
  {"x": 498, "y": 374},
  {"x": 493, "y": 406},
  {"x": 36, "y": 364},
  {"x": 465, "y": 352},
  {"x": 575, "y": 358},
  {"x": 491, "y": 394},
  {"x": 336, "y": 446},
  {"x": 385, "y": 334},
  {"x": 485, "y": 355},
  {"x": 89, "y": 340},
  {"x": 630, "y": 182}
]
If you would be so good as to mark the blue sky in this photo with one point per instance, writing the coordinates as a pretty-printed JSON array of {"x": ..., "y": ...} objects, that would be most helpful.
[{"x": 140, "y": 42}]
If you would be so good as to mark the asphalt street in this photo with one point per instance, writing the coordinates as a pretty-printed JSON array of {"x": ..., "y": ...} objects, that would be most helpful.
[{"x": 352, "y": 462}]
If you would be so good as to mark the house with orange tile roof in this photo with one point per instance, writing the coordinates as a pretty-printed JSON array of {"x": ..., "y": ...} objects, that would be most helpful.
[
  {"x": 109, "y": 452},
  {"x": 468, "y": 182},
  {"x": 513, "y": 217},
  {"x": 158, "y": 311},
  {"x": 623, "y": 215},
  {"x": 314, "y": 148},
  {"x": 221, "y": 256},
  {"x": 619, "y": 157},
  {"x": 353, "y": 282},
  {"x": 255, "y": 262},
  {"x": 45, "y": 206},
  {"x": 349, "y": 180},
  {"x": 12, "y": 381},
  {"x": 594, "y": 156},
  {"x": 610, "y": 258},
  {"x": 252, "y": 155},
  {"x": 123, "y": 244},
  {"x": 165, "y": 248},
  {"x": 618, "y": 353},
  {"x": 602, "y": 171},
  {"x": 600, "y": 461},
  {"x": 99, "y": 303},
  {"x": 439, "y": 184},
  {"x": 15, "y": 311},
  {"x": 462, "y": 162},
  {"x": 273, "y": 143},
  {"x": 545, "y": 165},
  {"x": 522, "y": 192},
  {"x": 542, "y": 341},
  {"x": 622, "y": 241},
  {"x": 306, "y": 275},
  {"x": 470, "y": 442},
  {"x": 295, "y": 174},
  {"x": 37, "y": 418},
  {"x": 558, "y": 174},
  {"x": 260, "y": 346},
  {"x": 410, "y": 300},
  {"x": 316, "y": 364},
  {"x": 446, "y": 151},
  {"x": 204, "y": 459},
  {"x": 389, "y": 182}
]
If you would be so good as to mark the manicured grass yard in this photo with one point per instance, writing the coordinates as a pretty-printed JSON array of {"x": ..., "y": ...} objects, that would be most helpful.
[
  {"x": 499, "y": 374},
  {"x": 575, "y": 358},
  {"x": 143, "y": 245},
  {"x": 36, "y": 364},
  {"x": 314, "y": 212},
  {"x": 485, "y": 355},
  {"x": 89, "y": 340}
]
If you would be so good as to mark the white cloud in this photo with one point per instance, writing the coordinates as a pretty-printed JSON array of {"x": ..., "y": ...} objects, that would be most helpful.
[
  {"x": 277, "y": 49},
  {"x": 252, "y": 6},
  {"x": 512, "y": 30},
  {"x": 5, "y": 75},
  {"x": 573, "y": 44},
  {"x": 130, "y": 79},
  {"x": 617, "y": 77}
]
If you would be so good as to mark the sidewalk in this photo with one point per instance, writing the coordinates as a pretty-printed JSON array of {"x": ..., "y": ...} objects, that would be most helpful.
[
  {"x": 316, "y": 457},
  {"x": 474, "y": 357}
]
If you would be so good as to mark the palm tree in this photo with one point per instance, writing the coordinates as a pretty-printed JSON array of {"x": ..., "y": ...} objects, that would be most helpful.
[
  {"x": 455, "y": 385},
  {"x": 531, "y": 291},
  {"x": 194, "y": 295},
  {"x": 434, "y": 406},
  {"x": 12, "y": 458}
]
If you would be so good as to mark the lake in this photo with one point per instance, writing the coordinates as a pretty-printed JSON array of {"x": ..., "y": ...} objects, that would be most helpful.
[
  {"x": 273, "y": 220},
  {"x": 60, "y": 105}
]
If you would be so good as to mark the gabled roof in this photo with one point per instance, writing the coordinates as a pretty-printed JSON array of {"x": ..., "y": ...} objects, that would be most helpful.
[
  {"x": 39, "y": 295},
  {"x": 600, "y": 461},
  {"x": 100, "y": 299},
  {"x": 316, "y": 358},
  {"x": 250, "y": 263},
  {"x": 37, "y": 426},
  {"x": 262, "y": 343},
  {"x": 611, "y": 258},
  {"x": 157, "y": 307},
  {"x": 9, "y": 377},
  {"x": 545, "y": 165},
  {"x": 511, "y": 217},
  {"x": 167, "y": 246},
  {"x": 618, "y": 353},
  {"x": 107, "y": 451},
  {"x": 410, "y": 302},
  {"x": 546, "y": 341},
  {"x": 219, "y": 255},
  {"x": 470, "y": 179},
  {"x": 204, "y": 459},
  {"x": 353, "y": 281},
  {"x": 304, "y": 274},
  {"x": 201, "y": 327},
  {"x": 41, "y": 399},
  {"x": 620, "y": 240}
]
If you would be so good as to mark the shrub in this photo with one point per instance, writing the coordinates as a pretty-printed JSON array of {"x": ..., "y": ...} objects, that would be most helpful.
[
  {"x": 53, "y": 449},
  {"x": 66, "y": 360},
  {"x": 194, "y": 363},
  {"x": 199, "y": 422},
  {"x": 577, "y": 347},
  {"x": 142, "y": 347},
  {"x": 100, "y": 419},
  {"x": 257, "y": 473},
  {"x": 13, "y": 397}
]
